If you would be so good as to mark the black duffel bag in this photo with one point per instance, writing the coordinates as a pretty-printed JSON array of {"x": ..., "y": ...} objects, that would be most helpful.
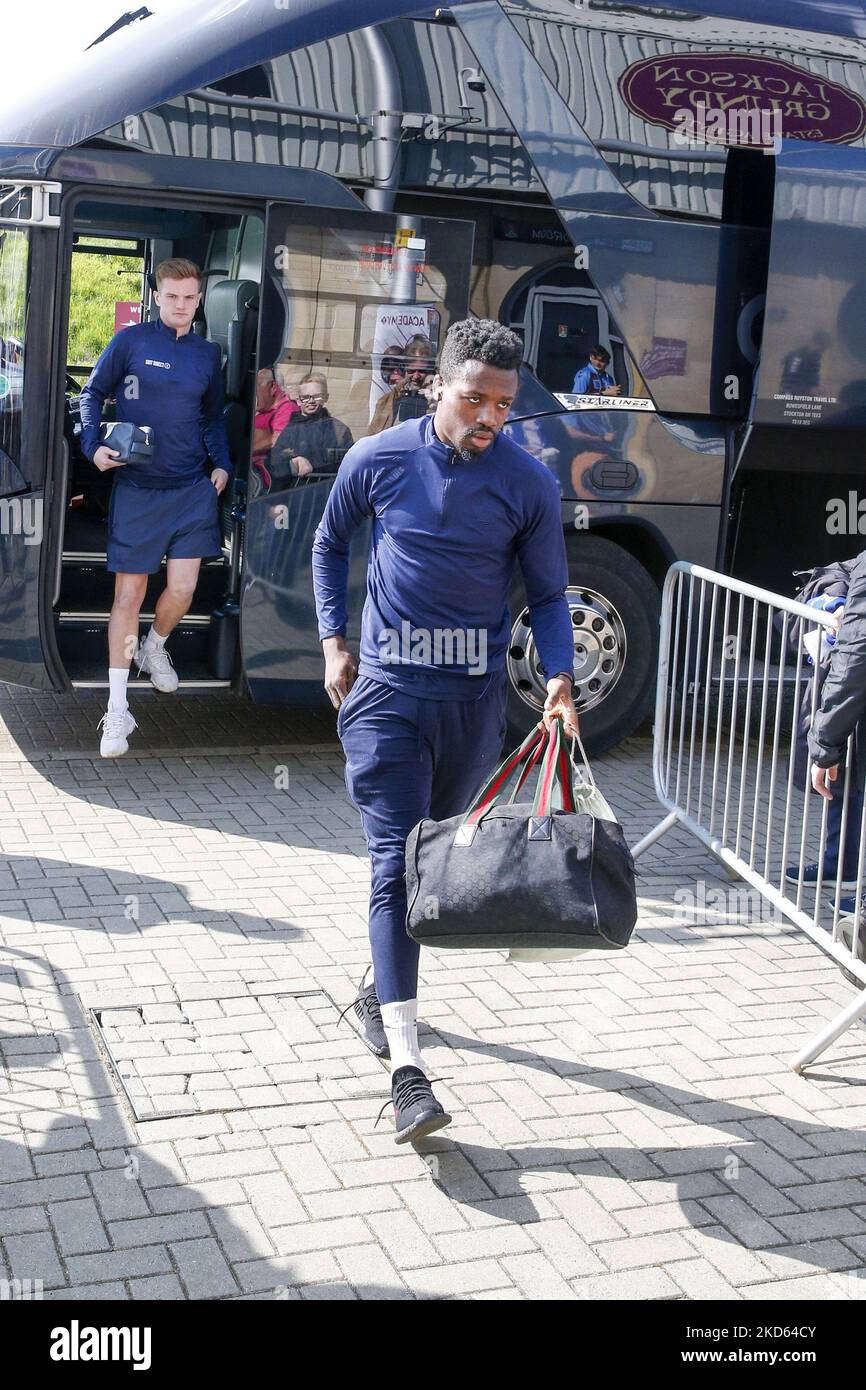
[{"x": 513, "y": 874}]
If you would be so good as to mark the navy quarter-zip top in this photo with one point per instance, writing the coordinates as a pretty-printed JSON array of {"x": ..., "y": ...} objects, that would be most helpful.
[
  {"x": 447, "y": 532},
  {"x": 174, "y": 384}
]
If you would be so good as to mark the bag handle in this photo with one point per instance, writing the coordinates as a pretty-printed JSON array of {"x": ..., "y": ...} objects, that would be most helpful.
[
  {"x": 491, "y": 792},
  {"x": 529, "y": 767},
  {"x": 585, "y": 771},
  {"x": 555, "y": 789}
]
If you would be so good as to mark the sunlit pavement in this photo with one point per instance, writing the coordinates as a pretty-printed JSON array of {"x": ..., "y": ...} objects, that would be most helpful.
[{"x": 625, "y": 1126}]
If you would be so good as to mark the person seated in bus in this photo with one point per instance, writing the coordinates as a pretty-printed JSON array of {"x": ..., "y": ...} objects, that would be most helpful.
[
  {"x": 167, "y": 377},
  {"x": 410, "y": 397},
  {"x": 274, "y": 409},
  {"x": 594, "y": 379},
  {"x": 393, "y": 368},
  {"x": 314, "y": 441}
]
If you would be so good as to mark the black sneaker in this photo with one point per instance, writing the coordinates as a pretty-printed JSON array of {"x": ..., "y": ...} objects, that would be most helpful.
[
  {"x": 417, "y": 1112},
  {"x": 366, "y": 1006}
]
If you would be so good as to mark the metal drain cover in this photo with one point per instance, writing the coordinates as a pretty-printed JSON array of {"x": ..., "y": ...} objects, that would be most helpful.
[{"x": 237, "y": 1053}]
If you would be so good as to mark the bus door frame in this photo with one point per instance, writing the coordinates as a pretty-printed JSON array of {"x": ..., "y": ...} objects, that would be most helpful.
[{"x": 292, "y": 645}]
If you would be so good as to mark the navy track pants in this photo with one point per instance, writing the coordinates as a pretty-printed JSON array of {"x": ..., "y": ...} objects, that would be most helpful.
[{"x": 408, "y": 758}]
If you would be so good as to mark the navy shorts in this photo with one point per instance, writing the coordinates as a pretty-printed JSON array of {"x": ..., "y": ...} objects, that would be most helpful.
[{"x": 146, "y": 523}]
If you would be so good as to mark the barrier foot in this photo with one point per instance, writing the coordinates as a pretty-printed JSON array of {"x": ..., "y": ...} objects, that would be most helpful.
[
  {"x": 821, "y": 1041},
  {"x": 655, "y": 834}
]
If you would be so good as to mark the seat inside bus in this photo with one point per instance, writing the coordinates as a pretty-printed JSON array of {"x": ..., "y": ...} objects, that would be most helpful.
[{"x": 228, "y": 317}]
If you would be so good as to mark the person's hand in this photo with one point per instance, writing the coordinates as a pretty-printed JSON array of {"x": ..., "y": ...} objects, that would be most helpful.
[
  {"x": 341, "y": 669},
  {"x": 560, "y": 705},
  {"x": 106, "y": 458},
  {"x": 837, "y": 617},
  {"x": 612, "y": 391},
  {"x": 821, "y": 776},
  {"x": 219, "y": 477},
  {"x": 301, "y": 466}
]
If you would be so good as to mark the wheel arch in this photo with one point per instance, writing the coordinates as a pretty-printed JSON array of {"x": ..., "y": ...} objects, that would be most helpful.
[{"x": 635, "y": 535}]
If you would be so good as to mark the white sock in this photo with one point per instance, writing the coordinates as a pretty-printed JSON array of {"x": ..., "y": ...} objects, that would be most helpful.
[
  {"x": 153, "y": 638},
  {"x": 118, "y": 676},
  {"x": 401, "y": 1030}
]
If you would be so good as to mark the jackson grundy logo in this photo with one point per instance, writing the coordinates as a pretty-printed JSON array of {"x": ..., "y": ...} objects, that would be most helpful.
[{"x": 811, "y": 107}]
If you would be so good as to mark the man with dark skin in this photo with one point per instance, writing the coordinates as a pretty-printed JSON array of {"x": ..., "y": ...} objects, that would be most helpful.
[{"x": 454, "y": 503}]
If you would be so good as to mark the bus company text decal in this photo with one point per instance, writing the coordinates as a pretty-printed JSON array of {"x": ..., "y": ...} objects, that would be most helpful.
[{"x": 810, "y": 106}]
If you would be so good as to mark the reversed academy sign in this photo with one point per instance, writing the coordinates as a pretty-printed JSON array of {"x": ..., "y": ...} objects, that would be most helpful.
[{"x": 810, "y": 107}]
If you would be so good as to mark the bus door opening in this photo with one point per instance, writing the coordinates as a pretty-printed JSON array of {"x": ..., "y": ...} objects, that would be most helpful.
[{"x": 116, "y": 247}]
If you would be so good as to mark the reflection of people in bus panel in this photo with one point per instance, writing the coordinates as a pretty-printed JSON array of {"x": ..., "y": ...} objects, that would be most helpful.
[
  {"x": 409, "y": 396},
  {"x": 274, "y": 409},
  {"x": 166, "y": 377},
  {"x": 313, "y": 442},
  {"x": 801, "y": 368},
  {"x": 594, "y": 379}
]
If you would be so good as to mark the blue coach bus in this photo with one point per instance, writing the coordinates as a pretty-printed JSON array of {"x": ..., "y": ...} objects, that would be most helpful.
[{"x": 351, "y": 191}]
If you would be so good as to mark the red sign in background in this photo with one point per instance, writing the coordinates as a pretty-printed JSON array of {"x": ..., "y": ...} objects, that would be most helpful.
[
  {"x": 811, "y": 106},
  {"x": 126, "y": 313}
]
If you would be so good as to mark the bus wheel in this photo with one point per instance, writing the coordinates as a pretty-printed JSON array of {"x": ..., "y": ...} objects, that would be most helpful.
[{"x": 614, "y": 607}]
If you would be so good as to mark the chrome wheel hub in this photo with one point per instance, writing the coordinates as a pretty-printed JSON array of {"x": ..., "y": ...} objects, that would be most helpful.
[{"x": 599, "y": 652}]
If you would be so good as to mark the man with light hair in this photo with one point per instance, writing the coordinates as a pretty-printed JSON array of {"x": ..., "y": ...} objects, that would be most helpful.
[{"x": 166, "y": 377}]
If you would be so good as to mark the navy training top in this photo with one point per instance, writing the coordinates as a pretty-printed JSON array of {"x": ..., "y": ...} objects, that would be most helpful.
[
  {"x": 446, "y": 535},
  {"x": 174, "y": 384}
]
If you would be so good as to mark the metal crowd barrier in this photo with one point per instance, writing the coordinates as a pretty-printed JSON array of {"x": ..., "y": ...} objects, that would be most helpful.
[{"x": 734, "y": 685}]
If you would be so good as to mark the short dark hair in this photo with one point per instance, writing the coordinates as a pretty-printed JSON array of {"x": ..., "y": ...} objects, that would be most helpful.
[
  {"x": 479, "y": 340},
  {"x": 599, "y": 351}
]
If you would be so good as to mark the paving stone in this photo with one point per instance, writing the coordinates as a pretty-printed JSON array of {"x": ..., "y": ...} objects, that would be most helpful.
[
  {"x": 537, "y": 1278},
  {"x": 403, "y": 1239},
  {"x": 632, "y": 1285},
  {"x": 699, "y": 1280},
  {"x": 319, "y": 1235},
  {"x": 316, "y": 1266},
  {"x": 157, "y": 1229},
  {"x": 159, "y": 1286},
  {"x": 118, "y": 1195},
  {"x": 456, "y": 1280},
  {"x": 656, "y": 1249},
  {"x": 34, "y": 1256},
  {"x": 77, "y": 1226},
  {"x": 203, "y": 1268},
  {"x": 119, "y": 1264}
]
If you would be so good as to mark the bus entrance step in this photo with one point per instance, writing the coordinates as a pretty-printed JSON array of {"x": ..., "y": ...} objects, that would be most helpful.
[
  {"x": 87, "y": 587},
  {"x": 83, "y": 644}
]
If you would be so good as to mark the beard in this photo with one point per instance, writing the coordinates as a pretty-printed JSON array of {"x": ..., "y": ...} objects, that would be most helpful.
[{"x": 467, "y": 452}]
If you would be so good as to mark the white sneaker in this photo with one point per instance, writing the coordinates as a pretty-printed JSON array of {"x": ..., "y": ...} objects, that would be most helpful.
[
  {"x": 116, "y": 727},
  {"x": 156, "y": 662}
]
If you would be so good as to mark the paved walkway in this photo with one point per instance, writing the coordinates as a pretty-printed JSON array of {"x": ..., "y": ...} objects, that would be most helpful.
[{"x": 625, "y": 1127}]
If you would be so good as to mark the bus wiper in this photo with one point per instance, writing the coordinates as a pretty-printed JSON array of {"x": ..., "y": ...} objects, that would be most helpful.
[{"x": 129, "y": 18}]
